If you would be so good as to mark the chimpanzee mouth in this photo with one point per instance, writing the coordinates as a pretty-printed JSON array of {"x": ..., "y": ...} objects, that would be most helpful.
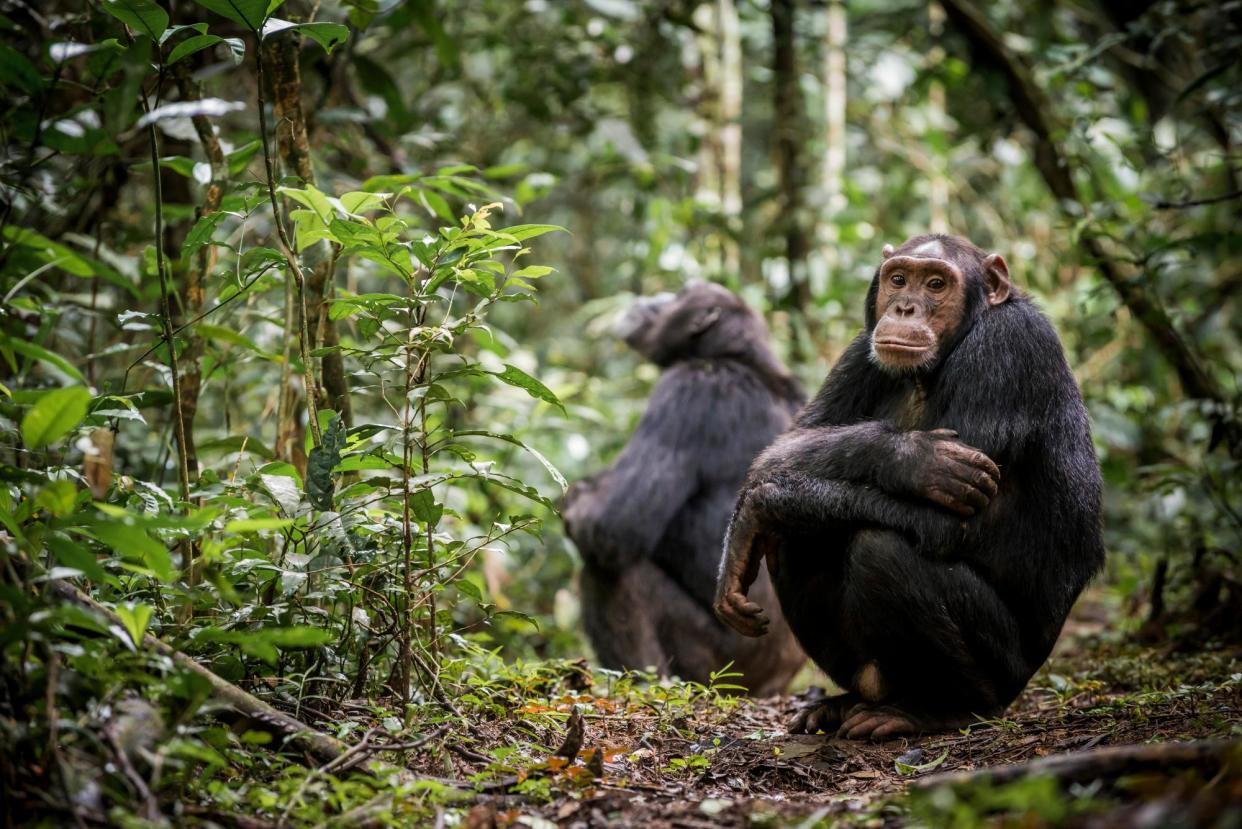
[{"x": 902, "y": 346}]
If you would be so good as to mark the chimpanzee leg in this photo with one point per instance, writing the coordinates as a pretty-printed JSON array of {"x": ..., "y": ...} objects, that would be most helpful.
[
  {"x": 936, "y": 645},
  {"x": 643, "y": 619},
  {"x": 621, "y": 618}
]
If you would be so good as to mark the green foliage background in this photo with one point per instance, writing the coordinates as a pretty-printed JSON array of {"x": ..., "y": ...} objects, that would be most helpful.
[{"x": 394, "y": 546}]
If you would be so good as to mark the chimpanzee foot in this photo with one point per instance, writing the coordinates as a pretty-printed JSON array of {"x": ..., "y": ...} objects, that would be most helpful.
[
  {"x": 823, "y": 715},
  {"x": 881, "y": 722}
]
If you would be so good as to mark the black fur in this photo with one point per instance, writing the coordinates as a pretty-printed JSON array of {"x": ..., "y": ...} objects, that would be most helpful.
[
  {"x": 649, "y": 528},
  {"x": 956, "y": 615}
]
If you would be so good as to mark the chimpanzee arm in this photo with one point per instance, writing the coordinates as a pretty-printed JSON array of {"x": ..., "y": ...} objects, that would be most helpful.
[
  {"x": 796, "y": 502},
  {"x": 624, "y": 512}
]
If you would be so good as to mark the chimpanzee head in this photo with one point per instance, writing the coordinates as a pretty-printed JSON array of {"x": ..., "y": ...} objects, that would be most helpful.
[
  {"x": 703, "y": 320},
  {"x": 926, "y": 295}
]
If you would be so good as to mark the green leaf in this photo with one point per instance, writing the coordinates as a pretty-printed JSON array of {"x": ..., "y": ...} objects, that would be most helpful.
[
  {"x": 532, "y": 272},
  {"x": 200, "y": 235},
  {"x": 327, "y": 35},
  {"x": 514, "y": 376},
  {"x": 135, "y": 617},
  {"x": 319, "y": 483},
  {"x": 191, "y": 45},
  {"x": 249, "y": 13},
  {"x": 38, "y": 352},
  {"x": 58, "y": 498},
  {"x": 249, "y": 525},
  {"x": 133, "y": 543},
  {"x": 172, "y": 31},
  {"x": 547, "y": 464},
  {"x": 522, "y": 232},
  {"x": 423, "y": 505},
  {"x": 312, "y": 197},
  {"x": 72, "y": 554},
  {"x": 55, "y": 415},
  {"x": 143, "y": 16}
]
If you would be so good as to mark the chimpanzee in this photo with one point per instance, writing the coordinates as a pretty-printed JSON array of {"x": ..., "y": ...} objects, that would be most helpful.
[
  {"x": 935, "y": 512},
  {"x": 650, "y": 527}
]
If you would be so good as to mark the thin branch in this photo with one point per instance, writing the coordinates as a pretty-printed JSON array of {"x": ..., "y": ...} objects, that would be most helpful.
[{"x": 1178, "y": 205}]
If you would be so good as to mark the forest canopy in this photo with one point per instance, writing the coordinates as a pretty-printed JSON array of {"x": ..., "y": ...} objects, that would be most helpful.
[{"x": 307, "y": 323}]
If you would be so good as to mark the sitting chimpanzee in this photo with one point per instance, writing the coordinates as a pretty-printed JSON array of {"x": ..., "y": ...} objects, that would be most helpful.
[
  {"x": 935, "y": 512},
  {"x": 650, "y": 527}
]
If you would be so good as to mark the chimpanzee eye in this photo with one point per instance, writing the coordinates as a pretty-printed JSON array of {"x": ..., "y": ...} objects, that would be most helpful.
[
  {"x": 898, "y": 279},
  {"x": 936, "y": 284}
]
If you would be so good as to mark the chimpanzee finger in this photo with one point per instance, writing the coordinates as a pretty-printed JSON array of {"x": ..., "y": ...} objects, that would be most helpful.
[
  {"x": 969, "y": 480},
  {"x": 961, "y": 453},
  {"x": 942, "y": 496},
  {"x": 943, "y": 434}
]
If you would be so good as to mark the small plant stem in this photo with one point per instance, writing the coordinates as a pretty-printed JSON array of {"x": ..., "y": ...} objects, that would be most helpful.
[{"x": 269, "y": 167}]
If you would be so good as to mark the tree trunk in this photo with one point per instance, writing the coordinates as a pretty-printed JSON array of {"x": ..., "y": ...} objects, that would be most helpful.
[
  {"x": 730, "y": 132},
  {"x": 833, "y": 174},
  {"x": 787, "y": 126},
  {"x": 294, "y": 147}
]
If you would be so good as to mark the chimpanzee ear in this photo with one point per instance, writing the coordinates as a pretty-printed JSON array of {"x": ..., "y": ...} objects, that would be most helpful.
[
  {"x": 996, "y": 278},
  {"x": 704, "y": 320},
  {"x": 887, "y": 252}
]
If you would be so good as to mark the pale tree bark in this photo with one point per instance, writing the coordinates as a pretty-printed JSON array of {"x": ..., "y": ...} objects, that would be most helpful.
[
  {"x": 730, "y": 126},
  {"x": 938, "y": 184},
  {"x": 835, "y": 96},
  {"x": 788, "y": 117}
]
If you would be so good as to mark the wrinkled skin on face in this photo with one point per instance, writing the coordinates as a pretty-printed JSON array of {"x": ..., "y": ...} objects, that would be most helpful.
[{"x": 921, "y": 303}]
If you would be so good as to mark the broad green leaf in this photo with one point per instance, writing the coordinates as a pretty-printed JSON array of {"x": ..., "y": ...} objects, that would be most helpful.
[
  {"x": 191, "y": 45},
  {"x": 425, "y": 507},
  {"x": 312, "y": 197},
  {"x": 173, "y": 31},
  {"x": 200, "y": 235},
  {"x": 135, "y": 616},
  {"x": 514, "y": 376},
  {"x": 522, "y": 232},
  {"x": 247, "y": 525},
  {"x": 249, "y": 13},
  {"x": 132, "y": 542},
  {"x": 143, "y": 16},
  {"x": 320, "y": 486},
  {"x": 47, "y": 251},
  {"x": 358, "y": 201},
  {"x": 55, "y": 415},
  {"x": 17, "y": 72},
  {"x": 327, "y": 35},
  {"x": 72, "y": 554},
  {"x": 547, "y": 464},
  {"x": 38, "y": 352},
  {"x": 532, "y": 272},
  {"x": 58, "y": 498}
]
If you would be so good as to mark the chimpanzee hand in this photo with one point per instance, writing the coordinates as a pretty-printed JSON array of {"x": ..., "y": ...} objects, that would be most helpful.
[
  {"x": 745, "y": 546},
  {"x": 953, "y": 475}
]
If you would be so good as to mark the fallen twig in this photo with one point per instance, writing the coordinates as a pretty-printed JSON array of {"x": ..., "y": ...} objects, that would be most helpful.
[{"x": 1110, "y": 762}]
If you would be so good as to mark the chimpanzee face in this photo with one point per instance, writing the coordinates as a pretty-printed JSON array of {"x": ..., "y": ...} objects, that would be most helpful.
[
  {"x": 922, "y": 298},
  {"x": 702, "y": 320}
]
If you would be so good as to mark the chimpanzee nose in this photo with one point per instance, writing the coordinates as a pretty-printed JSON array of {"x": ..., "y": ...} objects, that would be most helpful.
[{"x": 903, "y": 309}]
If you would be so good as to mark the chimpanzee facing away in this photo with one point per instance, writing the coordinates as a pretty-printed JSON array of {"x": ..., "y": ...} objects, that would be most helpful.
[
  {"x": 650, "y": 527},
  {"x": 936, "y": 510}
]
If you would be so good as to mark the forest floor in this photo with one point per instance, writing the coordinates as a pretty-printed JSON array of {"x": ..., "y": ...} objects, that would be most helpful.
[{"x": 704, "y": 761}]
